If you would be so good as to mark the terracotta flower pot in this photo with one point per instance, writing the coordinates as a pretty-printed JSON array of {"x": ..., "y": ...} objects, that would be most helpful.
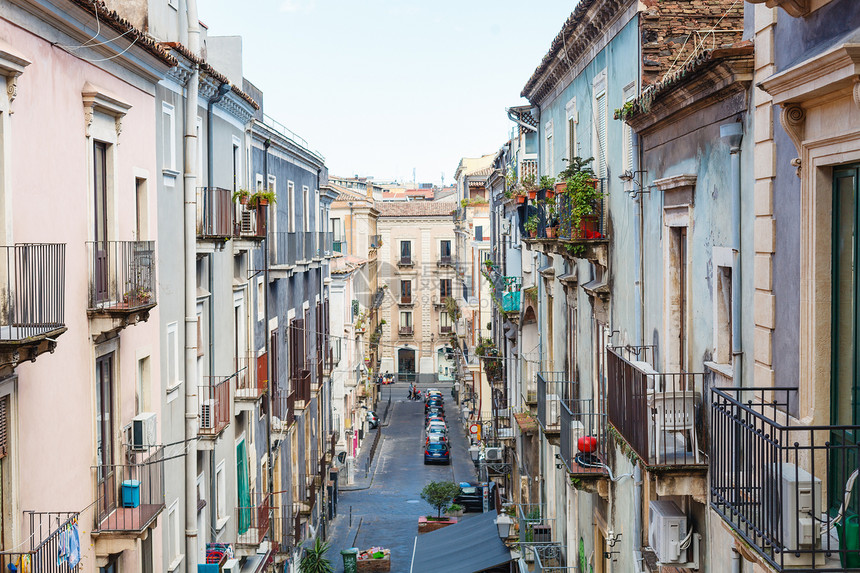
[
  {"x": 550, "y": 193},
  {"x": 243, "y": 199},
  {"x": 560, "y": 187},
  {"x": 532, "y": 194},
  {"x": 521, "y": 199},
  {"x": 550, "y": 233}
]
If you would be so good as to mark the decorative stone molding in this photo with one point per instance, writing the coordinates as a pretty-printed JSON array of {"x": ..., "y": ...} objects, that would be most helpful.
[
  {"x": 796, "y": 8},
  {"x": 97, "y": 99},
  {"x": 793, "y": 120},
  {"x": 12, "y": 65},
  {"x": 678, "y": 190}
]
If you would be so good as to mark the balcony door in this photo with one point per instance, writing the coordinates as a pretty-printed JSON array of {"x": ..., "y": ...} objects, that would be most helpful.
[
  {"x": 845, "y": 349},
  {"x": 100, "y": 230},
  {"x": 104, "y": 434}
]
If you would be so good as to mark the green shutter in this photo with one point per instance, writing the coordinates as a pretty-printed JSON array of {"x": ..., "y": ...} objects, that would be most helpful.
[{"x": 244, "y": 487}]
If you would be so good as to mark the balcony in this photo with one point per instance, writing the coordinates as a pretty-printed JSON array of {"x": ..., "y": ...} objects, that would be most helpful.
[
  {"x": 339, "y": 245},
  {"x": 249, "y": 222},
  {"x": 307, "y": 493},
  {"x": 41, "y": 548},
  {"x": 405, "y": 262},
  {"x": 214, "y": 214},
  {"x": 130, "y": 496},
  {"x": 556, "y": 233},
  {"x": 446, "y": 329},
  {"x": 252, "y": 520},
  {"x": 406, "y": 331},
  {"x": 378, "y": 298},
  {"x": 535, "y": 531},
  {"x": 32, "y": 289},
  {"x": 284, "y": 526},
  {"x": 445, "y": 261},
  {"x": 406, "y": 300},
  {"x": 284, "y": 409},
  {"x": 584, "y": 438},
  {"x": 252, "y": 377},
  {"x": 779, "y": 487},
  {"x": 507, "y": 290},
  {"x": 552, "y": 388},
  {"x": 657, "y": 414},
  {"x": 375, "y": 241},
  {"x": 301, "y": 385},
  {"x": 121, "y": 284},
  {"x": 323, "y": 245},
  {"x": 214, "y": 408}
]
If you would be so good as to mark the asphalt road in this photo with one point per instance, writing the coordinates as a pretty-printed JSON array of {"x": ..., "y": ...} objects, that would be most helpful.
[{"x": 389, "y": 508}]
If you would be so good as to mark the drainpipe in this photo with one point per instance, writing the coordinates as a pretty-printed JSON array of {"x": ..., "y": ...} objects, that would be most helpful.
[
  {"x": 733, "y": 133},
  {"x": 637, "y": 518},
  {"x": 638, "y": 238},
  {"x": 268, "y": 337},
  {"x": 190, "y": 184},
  {"x": 736, "y": 561},
  {"x": 210, "y": 176}
]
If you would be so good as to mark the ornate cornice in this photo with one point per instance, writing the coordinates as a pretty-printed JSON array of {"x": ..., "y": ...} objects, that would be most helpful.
[
  {"x": 237, "y": 107},
  {"x": 96, "y": 99},
  {"x": 12, "y": 65}
]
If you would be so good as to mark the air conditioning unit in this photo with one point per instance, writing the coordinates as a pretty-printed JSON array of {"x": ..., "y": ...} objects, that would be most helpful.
[
  {"x": 207, "y": 411},
  {"x": 577, "y": 430},
  {"x": 552, "y": 406},
  {"x": 143, "y": 431},
  {"x": 667, "y": 527},
  {"x": 794, "y": 514},
  {"x": 494, "y": 454},
  {"x": 232, "y": 566}
]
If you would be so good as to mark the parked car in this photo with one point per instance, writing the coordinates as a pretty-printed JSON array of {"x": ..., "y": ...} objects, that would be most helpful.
[
  {"x": 437, "y": 431},
  {"x": 437, "y": 452},
  {"x": 434, "y": 410},
  {"x": 372, "y": 420},
  {"x": 471, "y": 496},
  {"x": 436, "y": 438},
  {"x": 434, "y": 425}
]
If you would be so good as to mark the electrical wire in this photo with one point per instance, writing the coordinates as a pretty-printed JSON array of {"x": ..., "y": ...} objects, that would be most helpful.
[{"x": 846, "y": 500}]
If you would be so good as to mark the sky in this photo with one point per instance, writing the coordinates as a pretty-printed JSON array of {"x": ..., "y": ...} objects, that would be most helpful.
[{"x": 382, "y": 87}]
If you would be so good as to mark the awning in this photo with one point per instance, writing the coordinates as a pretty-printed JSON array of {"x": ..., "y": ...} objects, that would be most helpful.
[{"x": 470, "y": 546}]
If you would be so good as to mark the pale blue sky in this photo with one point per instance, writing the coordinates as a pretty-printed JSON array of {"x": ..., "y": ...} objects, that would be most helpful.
[{"x": 384, "y": 86}]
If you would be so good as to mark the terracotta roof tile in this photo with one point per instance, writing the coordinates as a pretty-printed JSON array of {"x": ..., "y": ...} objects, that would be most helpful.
[{"x": 526, "y": 422}]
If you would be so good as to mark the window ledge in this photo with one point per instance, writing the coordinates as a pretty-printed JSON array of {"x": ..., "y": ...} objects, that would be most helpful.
[
  {"x": 219, "y": 525},
  {"x": 174, "y": 565},
  {"x": 173, "y": 391},
  {"x": 724, "y": 370}
]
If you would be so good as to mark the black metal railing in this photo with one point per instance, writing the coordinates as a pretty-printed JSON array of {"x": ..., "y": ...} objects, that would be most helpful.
[
  {"x": 41, "y": 552},
  {"x": 214, "y": 405},
  {"x": 658, "y": 414},
  {"x": 130, "y": 496},
  {"x": 405, "y": 262},
  {"x": 249, "y": 222},
  {"x": 122, "y": 275},
  {"x": 556, "y": 219},
  {"x": 535, "y": 527},
  {"x": 33, "y": 290},
  {"x": 339, "y": 245},
  {"x": 782, "y": 488},
  {"x": 214, "y": 213},
  {"x": 252, "y": 520},
  {"x": 406, "y": 331},
  {"x": 552, "y": 388},
  {"x": 584, "y": 437},
  {"x": 445, "y": 261}
]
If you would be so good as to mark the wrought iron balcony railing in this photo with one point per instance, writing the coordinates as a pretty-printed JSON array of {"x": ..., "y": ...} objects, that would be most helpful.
[
  {"x": 130, "y": 496},
  {"x": 214, "y": 405},
  {"x": 556, "y": 219},
  {"x": 658, "y": 414},
  {"x": 406, "y": 299},
  {"x": 552, "y": 388},
  {"x": 214, "y": 213},
  {"x": 445, "y": 261},
  {"x": 783, "y": 488},
  {"x": 339, "y": 245},
  {"x": 536, "y": 533},
  {"x": 406, "y": 331},
  {"x": 122, "y": 275},
  {"x": 252, "y": 520},
  {"x": 41, "y": 549},
  {"x": 584, "y": 437},
  {"x": 252, "y": 377},
  {"x": 405, "y": 262},
  {"x": 32, "y": 289}
]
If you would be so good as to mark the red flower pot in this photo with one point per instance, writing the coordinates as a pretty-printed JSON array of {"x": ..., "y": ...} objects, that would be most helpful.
[
  {"x": 532, "y": 194},
  {"x": 550, "y": 232},
  {"x": 560, "y": 187},
  {"x": 521, "y": 199}
]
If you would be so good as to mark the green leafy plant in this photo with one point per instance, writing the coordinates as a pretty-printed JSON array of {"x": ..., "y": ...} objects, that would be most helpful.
[
  {"x": 531, "y": 225},
  {"x": 576, "y": 165},
  {"x": 440, "y": 494},
  {"x": 314, "y": 559},
  {"x": 547, "y": 182},
  {"x": 240, "y": 195},
  {"x": 530, "y": 183},
  {"x": 454, "y": 507},
  {"x": 452, "y": 308},
  {"x": 581, "y": 195},
  {"x": 258, "y": 196},
  {"x": 624, "y": 111}
]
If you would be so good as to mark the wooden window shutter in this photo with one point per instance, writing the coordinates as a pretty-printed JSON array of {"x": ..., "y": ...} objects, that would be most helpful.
[{"x": 4, "y": 425}]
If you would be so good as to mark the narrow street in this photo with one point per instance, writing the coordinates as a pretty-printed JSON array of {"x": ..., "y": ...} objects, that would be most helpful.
[{"x": 387, "y": 504}]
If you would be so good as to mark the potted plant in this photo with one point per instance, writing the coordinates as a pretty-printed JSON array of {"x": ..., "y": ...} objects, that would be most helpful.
[
  {"x": 552, "y": 217},
  {"x": 547, "y": 185},
  {"x": 454, "y": 510},
  {"x": 261, "y": 198},
  {"x": 314, "y": 559},
  {"x": 530, "y": 186},
  {"x": 439, "y": 494},
  {"x": 581, "y": 197},
  {"x": 531, "y": 226},
  {"x": 241, "y": 196}
]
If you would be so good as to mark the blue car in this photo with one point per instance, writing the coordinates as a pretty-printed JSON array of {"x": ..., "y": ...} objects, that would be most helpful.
[{"x": 437, "y": 453}]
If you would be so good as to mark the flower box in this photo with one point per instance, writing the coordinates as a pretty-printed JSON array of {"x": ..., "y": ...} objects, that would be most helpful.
[
  {"x": 561, "y": 187},
  {"x": 426, "y": 524}
]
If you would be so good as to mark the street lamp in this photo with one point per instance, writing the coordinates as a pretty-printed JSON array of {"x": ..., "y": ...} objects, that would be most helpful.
[{"x": 503, "y": 523}]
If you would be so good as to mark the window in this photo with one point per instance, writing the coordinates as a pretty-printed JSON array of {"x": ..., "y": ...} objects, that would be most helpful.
[
  {"x": 168, "y": 134},
  {"x": 101, "y": 214},
  {"x": 444, "y": 289},
  {"x": 261, "y": 299},
  {"x": 291, "y": 205},
  {"x": 479, "y": 232},
  {"x": 105, "y": 421},
  {"x": 236, "y": 160},
  {"x": 445, "y": 250},
  {"x": 141, "y": 212},
  {"x": 599, "y": 87},
  {"x": 173, "y": 535},
  {"x": 723, "y": 316},
  {"x": 570, "y": 108},
  {"x": 337, "y": 230},
  {"x": 172, "y": 355},
  {"x": 200, "y": 172},
  {"x": 306, "y": 208},
  {"x": 406, "y": 292},
  {"x": 406, "y": 321},
  {"x": 258, "y": 182},
  {"x": 445, "y": 322},
  {"x": 549, "y": 167},
  {"x": 142, "y": 402},
  {"x": 221, "y": 510},
  {"x": 405, "y": 252},
  {"x": 677, "y": 292},
  {"x": 318, "y": 226},
  {"x": 629, "y": 95}
]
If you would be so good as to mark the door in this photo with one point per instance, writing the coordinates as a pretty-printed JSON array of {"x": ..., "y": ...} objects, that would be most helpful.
[
  {"x": 844, "y": 407},
  {"x": 106, "y": 473},
  {"x": 406, "y": 364},
  {"x": 100, "y": 245}
]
